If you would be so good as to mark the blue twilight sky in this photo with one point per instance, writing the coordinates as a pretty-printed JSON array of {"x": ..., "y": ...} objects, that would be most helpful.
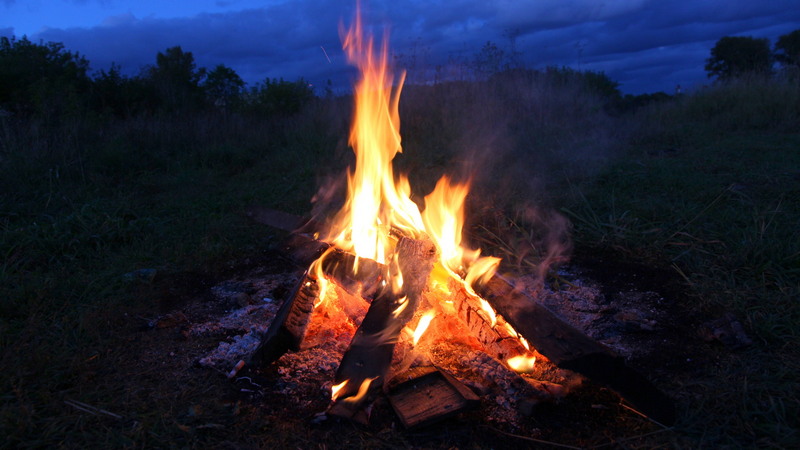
[{"x": 645, "y": 45}]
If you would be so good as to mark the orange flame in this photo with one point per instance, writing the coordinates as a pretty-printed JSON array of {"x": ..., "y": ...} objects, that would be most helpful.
[
  {"x": 362, "y": 391},
  {"x": 379, "y": 204},
  {"x": 375, "y": 201}
]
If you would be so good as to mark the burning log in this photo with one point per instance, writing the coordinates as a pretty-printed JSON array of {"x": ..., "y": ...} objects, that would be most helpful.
[
  {"x": 491, "y": 330},
  {"x": 367, "y": 359},
  {"x": 550, "y": 336}
]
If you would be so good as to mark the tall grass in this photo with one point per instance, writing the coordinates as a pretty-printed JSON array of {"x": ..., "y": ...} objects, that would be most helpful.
[{"x": 710, "y": 113}]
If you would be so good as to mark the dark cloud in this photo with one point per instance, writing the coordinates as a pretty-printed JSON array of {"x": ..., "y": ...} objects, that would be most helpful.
[
  {"x": 646, "y": 45},
  {"x": 257, "y": 43}
]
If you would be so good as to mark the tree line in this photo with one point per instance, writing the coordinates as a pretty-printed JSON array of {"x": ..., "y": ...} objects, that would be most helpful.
[{"x": 47, "y": 80}]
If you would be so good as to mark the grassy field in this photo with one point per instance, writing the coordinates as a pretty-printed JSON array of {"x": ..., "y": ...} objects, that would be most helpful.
[{"x": 707, "y": 185}]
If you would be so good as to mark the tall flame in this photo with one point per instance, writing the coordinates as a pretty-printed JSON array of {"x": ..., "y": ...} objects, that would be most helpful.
[{"x": 378, "y": 201}]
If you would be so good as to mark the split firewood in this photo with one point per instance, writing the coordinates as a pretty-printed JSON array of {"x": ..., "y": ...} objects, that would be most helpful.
[
  {"x": 490, "y": 329},
  {"x": 365, "y": 363}
]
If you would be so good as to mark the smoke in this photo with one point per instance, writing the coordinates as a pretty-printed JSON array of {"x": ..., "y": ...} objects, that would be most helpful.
[{"x": 523, "y": 139}]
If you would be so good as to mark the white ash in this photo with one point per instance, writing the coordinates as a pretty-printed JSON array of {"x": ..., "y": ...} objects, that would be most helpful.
[
  {"x": 227, "y": 355},
  {"x": 250, "y": 317},
  {"x": 609, "y": 318},
  {"x": 309, "y": 362},
  {"x": 249, "y": 323}
]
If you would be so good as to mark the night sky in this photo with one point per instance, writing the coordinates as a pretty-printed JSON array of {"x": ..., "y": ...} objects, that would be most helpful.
[{"x": 646, "y": 46}]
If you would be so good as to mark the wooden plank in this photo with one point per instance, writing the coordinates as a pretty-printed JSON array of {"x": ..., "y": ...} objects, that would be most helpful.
[{"x": 429, "y": 398}]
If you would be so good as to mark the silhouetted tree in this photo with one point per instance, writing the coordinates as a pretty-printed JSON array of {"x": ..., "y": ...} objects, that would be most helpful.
[
  {"x": 787, "y": 49},
  {"x": 41, "y": 78},
  {"x": 223, "y": 86},
  {"x": 733, "y": 57},
  {"x": 176, "y": 79},
  {"x": 597, "y": 83}
]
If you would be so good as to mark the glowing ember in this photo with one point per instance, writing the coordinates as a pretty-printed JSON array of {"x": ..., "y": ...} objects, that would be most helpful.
[{"x": 522, "y": 363}]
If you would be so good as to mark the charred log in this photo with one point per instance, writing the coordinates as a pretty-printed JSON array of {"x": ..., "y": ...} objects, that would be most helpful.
[
  {"x": 512, "y": 385},
  {"x": 493, "y": 333}
]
